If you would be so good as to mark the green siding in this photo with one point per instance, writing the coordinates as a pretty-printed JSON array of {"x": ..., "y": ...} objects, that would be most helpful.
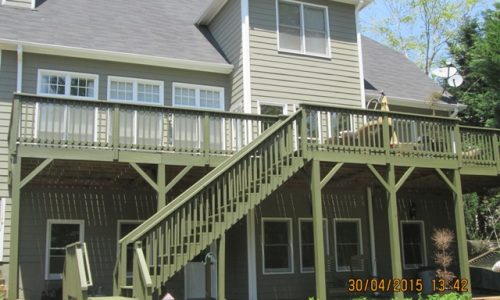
[
  {"x": 226, "y": 29},
  {"x": 100, "y": 211},
  {"x": 291, "y": 78},
  {"x": 8, "y": 75},
  {"x": 33, "y": 62}
]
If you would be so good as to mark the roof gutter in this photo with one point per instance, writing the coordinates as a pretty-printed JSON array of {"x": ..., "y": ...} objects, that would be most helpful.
[
  {"x": 422, "y": 104},
  {"x": 49, "y": 49},
  {"x": 216, "y": 5}
]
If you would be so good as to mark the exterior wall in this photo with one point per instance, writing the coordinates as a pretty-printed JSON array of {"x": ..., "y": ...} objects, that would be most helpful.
[
  {"x": 226, "y": 29},
  {"x": 100, "y": 211},
  {"x": 434, "y": 208},
  {"x": 236, "y": 262},
  {"x": 33, "y": 62},
  {"x": 290, "y": 78},
  {"x": 8, "y": 75}
]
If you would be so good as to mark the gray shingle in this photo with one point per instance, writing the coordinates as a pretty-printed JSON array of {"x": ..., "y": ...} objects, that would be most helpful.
[
  {"x": 390, "y": 71},
  {"x": 154, "y": 27}
]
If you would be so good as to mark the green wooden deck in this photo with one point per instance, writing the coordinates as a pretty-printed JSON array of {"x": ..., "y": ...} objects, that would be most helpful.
[{"x": 253, "y": 156}]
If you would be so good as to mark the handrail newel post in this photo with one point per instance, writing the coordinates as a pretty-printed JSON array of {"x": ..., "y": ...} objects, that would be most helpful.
[
  {"x": 496, "y": 150},
  {"x": 303, "y": 132},
  {"x": 458, "y": 145},
  {"x": 14, "y": 128},
  {"x": 386, "y": 135}
]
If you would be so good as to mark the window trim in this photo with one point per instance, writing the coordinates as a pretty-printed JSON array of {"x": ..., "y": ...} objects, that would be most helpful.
[
  {"x": 290, "y": 245},
  {"x": 135, "y": 82},
  {"x": 328, "y": 50},
  {"x": 423, "y": 246},
  {"x": 271, "y": 103},
  {"x": 50, "y": 222},
  {"x": 67, "y": 84},
  {"x": 360, "y": 239},
  {"x": 197, "y": 88},
  {"x": 326, "y": 241}
]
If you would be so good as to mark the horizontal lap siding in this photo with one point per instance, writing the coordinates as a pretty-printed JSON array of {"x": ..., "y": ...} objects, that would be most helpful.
[
  {"x": 100, "y": 211},
  {"x": 8, "y": 75},
  {"x": 226, "y": 29},
  {"x": 291, "y": 78},
  {"x": 33, "y": 62}
]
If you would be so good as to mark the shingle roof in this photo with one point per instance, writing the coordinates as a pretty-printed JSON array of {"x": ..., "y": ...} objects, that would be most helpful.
[
  {"x": 153, "y": 27},
  {"x": 390, "y": 71}
]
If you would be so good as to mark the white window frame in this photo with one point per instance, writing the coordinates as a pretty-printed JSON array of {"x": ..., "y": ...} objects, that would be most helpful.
[
  {"x": 67, "y": 83},
  {"x": 360, "y": 239},
  {"x": 325, "y": 240},
  {"x": 50, "y": 222},
  {"x": 119, "y": 223},
  {"x": 423, "y": 246},
  {"x": 135, "y": 82},
  {"x": 302, "y": 30},
  {"x": 290, "y": 245},
  {"x": 197, "y": 89}
]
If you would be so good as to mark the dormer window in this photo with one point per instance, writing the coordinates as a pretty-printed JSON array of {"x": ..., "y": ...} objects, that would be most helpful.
[{"x": 303, "y": 28}]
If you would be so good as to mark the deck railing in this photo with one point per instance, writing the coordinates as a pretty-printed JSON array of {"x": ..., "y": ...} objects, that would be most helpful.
[{"x": 54, "y": 122}]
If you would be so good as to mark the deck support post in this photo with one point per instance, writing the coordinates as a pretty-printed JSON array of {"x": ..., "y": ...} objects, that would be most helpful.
[
  {"x": 221, "y": 268},
  {"x": 319, "y": 249},
  {"x": 160, "y": 182},
  {"x": 14, "y": 235},
  {"x": 392, "y": 212},
  {"x": 463, "y": 259}
]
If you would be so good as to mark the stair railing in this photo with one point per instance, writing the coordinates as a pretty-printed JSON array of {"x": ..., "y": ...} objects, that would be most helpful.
[
  {"x": 77, "y": 277},
  {"x": 187, "y": 225}
]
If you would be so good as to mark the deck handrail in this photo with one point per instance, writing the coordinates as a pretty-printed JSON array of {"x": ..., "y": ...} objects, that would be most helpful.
[{"x": 76, "y": 262}]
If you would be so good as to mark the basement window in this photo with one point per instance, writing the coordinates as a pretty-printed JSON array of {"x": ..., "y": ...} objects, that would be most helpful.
[
  {"x": 67, "y": 84},
  {"x": 60, "y": 233},
  {"x": 307, "y": 244},
  {"x": 347, "y": 233},
  {"x": 277, "y": 246},
  {"x": 303, "y": 28},
  {"x": 413, "y": 244}
]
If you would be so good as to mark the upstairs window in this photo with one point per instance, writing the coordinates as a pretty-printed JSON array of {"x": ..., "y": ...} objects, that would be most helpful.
[
  {"x": 67, "y": 84},
  {"x": 201, "y": 96},
  {"x": 303, "y": 28},
  {"x": 135, "y": 90}
]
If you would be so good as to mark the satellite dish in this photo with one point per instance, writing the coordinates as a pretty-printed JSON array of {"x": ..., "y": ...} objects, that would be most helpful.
[
  {"x": 455, "y": 80},
  {"x": 444, "y": 72}
]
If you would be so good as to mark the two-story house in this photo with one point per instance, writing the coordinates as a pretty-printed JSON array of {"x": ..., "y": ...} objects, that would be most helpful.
[{"x": 153, "y": 137}]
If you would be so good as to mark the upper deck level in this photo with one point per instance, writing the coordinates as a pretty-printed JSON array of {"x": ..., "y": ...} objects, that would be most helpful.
[{"x": 45, "y": 127}]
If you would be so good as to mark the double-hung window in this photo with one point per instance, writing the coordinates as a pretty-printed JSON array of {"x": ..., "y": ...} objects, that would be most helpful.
[
  {"x": 68, "y": 84},
  {"x": 66, "y": 121},
  {"x": 138, "y": 127},
  {"x": 187, "y": 128},
  {"x": 306, "y": 231},
  {"x": 412, "y": 238},
  {"x": 347, "y": 233},
  {"x": 60, "y": 233},
  {"x": 277, "y": 246},
  {"x": 303, "y": 28}
]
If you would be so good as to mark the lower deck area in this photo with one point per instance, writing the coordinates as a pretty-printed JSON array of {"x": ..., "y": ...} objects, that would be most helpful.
[{"x": 269, "y": 254}]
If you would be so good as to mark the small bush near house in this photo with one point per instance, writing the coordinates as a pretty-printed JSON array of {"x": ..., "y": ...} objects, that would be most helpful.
[{"x": 442, "y": 240}]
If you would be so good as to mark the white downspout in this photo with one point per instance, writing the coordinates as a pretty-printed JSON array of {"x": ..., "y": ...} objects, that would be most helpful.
[
  {"x": 373, "y": 256},
  {"x": 19, "y": 86},
  {"x": 245, "y": 46},
  {"x": 360, "y": 56}
]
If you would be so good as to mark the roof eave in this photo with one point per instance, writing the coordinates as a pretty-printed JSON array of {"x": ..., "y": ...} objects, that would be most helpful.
[
  {"x": 49, "y": 49},
  {"x": 415, "y": 103},
  {"x": 216, "y": 5}
]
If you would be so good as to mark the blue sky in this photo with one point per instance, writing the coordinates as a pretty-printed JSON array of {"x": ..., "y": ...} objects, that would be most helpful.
[{"x": 376, "y": 11}]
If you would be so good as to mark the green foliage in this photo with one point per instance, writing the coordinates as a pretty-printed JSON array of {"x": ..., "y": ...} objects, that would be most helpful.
[
  {"x": 471, "y": 209},
  {"x": 447, "y": 296},
  {"x": 420, "y": 29},
  {"x": 482, "y": 218},
  {"x": 475, "y": 52}
]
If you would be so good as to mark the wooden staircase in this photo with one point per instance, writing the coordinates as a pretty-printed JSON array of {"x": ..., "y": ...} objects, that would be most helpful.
[{"x": 172, "y": 237}]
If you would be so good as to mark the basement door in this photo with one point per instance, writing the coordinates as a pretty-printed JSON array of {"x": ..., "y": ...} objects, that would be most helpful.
[{"x": 194, "y": 276}]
